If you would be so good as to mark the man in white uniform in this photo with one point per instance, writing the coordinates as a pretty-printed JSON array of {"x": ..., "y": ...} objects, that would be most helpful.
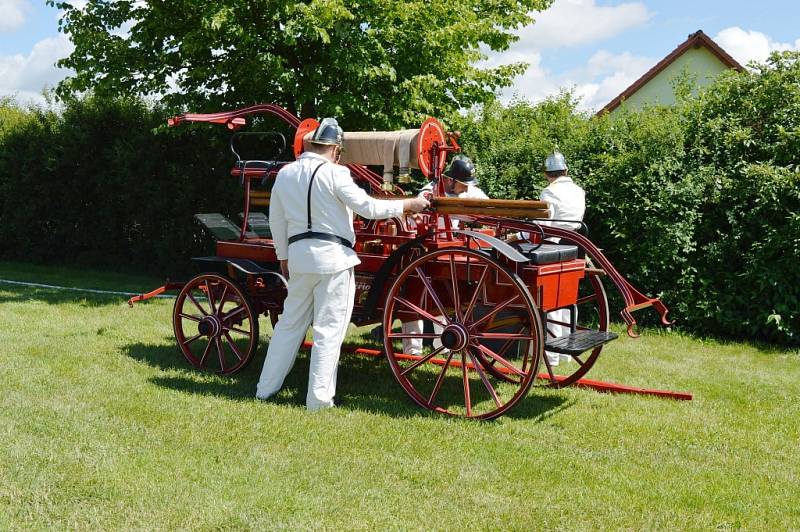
[
  {"x": 465, "y": 183},
  {"x": 566, "y": 201},
  {"x": 311, "y": 218},
  {"x": 462, "y": 183}
]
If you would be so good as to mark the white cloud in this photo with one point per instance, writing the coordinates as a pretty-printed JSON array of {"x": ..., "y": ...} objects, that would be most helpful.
[
  {"x": 750, "y": 45},
  {"x": 13, "y": 14},
  {"x": 604, "y": 62},
  {"x": 574, "y": 22},
  {"x": 595, "y": 94},
  {"x": 26, "y": 75},
  {"x": 604, "y": 76},
  {"x": 536, "y": 83}
]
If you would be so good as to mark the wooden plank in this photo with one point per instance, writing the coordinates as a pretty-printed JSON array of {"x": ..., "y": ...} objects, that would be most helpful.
[
  {"x": 488, "y": 203},
  {"x": 506, "y": 212}
]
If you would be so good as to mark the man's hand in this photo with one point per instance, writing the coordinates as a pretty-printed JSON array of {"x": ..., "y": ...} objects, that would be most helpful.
[
  {"x": 285, "y": 268},
  {"x": 415, "y": 204},
  {"x": 516, "y": 237}
]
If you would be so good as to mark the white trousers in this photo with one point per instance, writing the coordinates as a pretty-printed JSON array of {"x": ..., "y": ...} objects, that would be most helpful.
[
  {"x": 555, "y": 330},
  {"x": 413, "y": 346},
  {"x": 326, "y": 300}
]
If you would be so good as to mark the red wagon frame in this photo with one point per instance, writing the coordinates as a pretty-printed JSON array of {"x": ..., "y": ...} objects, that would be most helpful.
[{"x": 491, "y": 302}]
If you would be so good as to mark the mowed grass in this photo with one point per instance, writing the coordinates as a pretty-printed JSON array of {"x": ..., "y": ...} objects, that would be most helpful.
[{"x": 103, "y": 426}]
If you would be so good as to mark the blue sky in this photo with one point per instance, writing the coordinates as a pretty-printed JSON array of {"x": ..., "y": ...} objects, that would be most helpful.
[
  {"x": 597, "y": 47},
  {"x": 668, "y": 23}
]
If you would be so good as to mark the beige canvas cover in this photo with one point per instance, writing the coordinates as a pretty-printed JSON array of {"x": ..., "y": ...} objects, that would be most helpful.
[{"x": 381, "y": 148}]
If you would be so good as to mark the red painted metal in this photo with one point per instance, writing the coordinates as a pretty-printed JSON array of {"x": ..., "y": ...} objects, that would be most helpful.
[
  {"x": 306, "y": 126},
  {"x": 431, "y": 133},
  {"x": 153, "y": 293},
  {"x": 236, "y": 119},
  {"x": 611, "y": 387},
  {"x": 634, "y": 299}
]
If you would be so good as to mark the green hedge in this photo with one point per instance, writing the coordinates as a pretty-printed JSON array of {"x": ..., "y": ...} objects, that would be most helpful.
[
  {"x": 743, "y": 139},
  {"x": 94, "y": 185}
]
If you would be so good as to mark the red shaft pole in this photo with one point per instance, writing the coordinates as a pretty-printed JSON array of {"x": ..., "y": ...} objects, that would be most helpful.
[{"x": 600, "y": 386}]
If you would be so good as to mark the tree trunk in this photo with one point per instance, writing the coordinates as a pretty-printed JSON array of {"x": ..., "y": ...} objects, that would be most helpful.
[{"x": 308, "y": 109}]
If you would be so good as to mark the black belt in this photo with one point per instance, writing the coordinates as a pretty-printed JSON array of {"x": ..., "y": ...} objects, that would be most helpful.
[
  {"x": 321, "y": 236},
  {"x": 314, "y": 234}
]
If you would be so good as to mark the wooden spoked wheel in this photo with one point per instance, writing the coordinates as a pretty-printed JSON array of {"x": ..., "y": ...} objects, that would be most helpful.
[
  {"x": 464, "y": 293},
  {"x": 592, "y": 314},
  {"x": 215, "y": 325}
]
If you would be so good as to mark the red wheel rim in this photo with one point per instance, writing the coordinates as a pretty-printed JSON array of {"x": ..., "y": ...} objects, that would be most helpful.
[
  {"x": 430, "y": 131},
  {"x": 309, "y": 124},
  {"x": 215, "y": 326},
  {"x": 447, "y": 287}
]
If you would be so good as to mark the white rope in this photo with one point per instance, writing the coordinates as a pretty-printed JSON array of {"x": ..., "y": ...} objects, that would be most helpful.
[{"x": 90, "y": 290}]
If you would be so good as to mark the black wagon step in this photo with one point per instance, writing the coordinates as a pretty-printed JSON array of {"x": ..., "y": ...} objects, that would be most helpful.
[
  {"x": 579, "y": 341},
  {"x": 220, "y": 227}
]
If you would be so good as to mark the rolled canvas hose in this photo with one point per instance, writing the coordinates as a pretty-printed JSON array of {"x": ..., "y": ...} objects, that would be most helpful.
[{"x": 381, "y": 148}]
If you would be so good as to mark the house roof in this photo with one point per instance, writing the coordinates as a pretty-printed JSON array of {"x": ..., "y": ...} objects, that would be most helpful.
[{"x": 695, "y": 40}]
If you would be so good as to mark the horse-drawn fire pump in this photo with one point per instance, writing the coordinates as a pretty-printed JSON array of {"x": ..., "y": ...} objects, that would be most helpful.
[{"x": 491, "y": 302}]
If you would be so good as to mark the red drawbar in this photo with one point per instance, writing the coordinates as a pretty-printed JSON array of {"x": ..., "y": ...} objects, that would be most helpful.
[
  {"x": 153, "y": 293},
  {"x": 599, "y": 386}
]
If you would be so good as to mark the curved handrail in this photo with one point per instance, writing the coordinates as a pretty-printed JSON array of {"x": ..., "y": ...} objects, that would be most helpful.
[{"x": 237, "y": 118}]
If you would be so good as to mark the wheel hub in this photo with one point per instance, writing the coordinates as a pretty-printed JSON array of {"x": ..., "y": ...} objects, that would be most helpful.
[
  {"x": 209, "y": 326},
  {"x": 455, "y": 337}
]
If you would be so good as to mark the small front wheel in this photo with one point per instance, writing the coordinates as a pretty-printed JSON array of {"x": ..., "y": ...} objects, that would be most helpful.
[{"x": 215, "y": 325}]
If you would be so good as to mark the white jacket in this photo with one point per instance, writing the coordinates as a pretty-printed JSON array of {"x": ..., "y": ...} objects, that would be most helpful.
[
  {"x": 334, "y": 197},
  {"x": 473, "y": 192},
  {"x": 427, "y": 188},
  {"x": 567, "y": 201}
]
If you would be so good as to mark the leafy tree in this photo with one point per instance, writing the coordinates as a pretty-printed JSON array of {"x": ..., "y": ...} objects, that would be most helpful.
[{"x": 380, "y": 63}]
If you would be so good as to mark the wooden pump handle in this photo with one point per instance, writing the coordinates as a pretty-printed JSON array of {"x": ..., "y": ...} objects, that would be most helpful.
[{"x": 491, "y": 207}]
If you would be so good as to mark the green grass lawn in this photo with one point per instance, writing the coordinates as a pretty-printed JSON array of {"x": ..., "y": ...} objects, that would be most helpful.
[{"x": 103, "y": 425}]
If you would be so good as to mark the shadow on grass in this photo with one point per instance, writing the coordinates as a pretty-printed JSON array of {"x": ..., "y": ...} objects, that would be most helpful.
[
  {"x": 364, "y": 383},
  {"x": 51, "y": 296}
]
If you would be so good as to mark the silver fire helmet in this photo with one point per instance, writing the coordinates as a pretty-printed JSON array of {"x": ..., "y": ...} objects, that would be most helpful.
[
  {"x": 555, "y": 162},
  {"x": 328, "y": 132}
]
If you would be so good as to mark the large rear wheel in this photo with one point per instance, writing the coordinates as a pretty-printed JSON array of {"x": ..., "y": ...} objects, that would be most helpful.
[{"x": 468, "y": 296}]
